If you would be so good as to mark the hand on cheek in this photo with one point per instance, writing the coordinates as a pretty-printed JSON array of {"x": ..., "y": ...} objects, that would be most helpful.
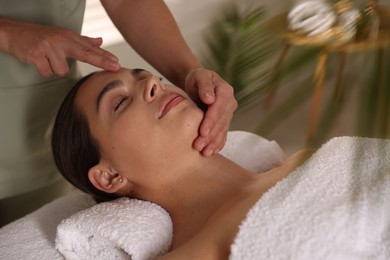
[{"x": 219, "y": 98}]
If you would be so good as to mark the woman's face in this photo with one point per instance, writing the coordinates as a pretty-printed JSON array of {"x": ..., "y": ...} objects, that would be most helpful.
[{"x": 141, "y": 125}]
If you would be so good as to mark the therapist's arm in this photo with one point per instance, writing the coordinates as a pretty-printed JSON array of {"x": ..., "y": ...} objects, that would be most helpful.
[
  {"x": 150, "y": 29},
  {"x": 48, "y": 47}
]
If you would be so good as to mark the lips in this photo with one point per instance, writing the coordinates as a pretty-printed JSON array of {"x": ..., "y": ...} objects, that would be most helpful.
[{"x": 168, "y": 102}]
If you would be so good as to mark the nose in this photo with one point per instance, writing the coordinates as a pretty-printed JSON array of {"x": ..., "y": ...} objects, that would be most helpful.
[{"x": 153, "y": 87}]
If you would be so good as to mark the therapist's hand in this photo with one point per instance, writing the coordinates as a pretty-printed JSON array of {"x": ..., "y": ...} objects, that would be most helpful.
[
  {"x": 218, "y": 96},
  {"x": 48, "y": 47}
]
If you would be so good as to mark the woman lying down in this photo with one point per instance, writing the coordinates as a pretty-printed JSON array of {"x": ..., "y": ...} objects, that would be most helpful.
[{"x": 127, "y": 134}]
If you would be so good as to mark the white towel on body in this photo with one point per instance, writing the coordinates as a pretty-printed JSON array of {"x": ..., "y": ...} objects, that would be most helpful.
[{"x": 335, "y": 206}]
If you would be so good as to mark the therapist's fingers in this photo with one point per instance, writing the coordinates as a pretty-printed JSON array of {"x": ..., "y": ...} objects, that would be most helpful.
[
  {"x": 203, "y": 83},
  {"x": 43, "y": 67},
  {"x": 91, "y": 56},
  {"x": 220, "y": 111},
  {"x": 58, "y": 62},
  {"x": 218, "y": 96},
  {"x": 94, "y": 44},
  {"x": 218, "y": 123},
  {"x": 82, "y": 50},
  {"x": 49, "y": 47},
  {"x": 88, "y": 50},
  {"x": 54, "y": 61},
  {"x": 98, "y": 41},
  {"x": 214, "y": 127},
  {"x": 78, "y": 47},
  {"x": 212, "y": 143}
]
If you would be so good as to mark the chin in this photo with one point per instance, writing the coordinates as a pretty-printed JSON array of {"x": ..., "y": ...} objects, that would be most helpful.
[{"x": 191, "y": 124}]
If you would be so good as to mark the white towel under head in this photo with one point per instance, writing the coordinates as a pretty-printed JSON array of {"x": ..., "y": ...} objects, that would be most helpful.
[{"x": 115, "y": 230}]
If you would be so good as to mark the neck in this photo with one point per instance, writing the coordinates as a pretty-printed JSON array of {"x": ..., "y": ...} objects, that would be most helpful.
[{"x": 208, "y": 185}]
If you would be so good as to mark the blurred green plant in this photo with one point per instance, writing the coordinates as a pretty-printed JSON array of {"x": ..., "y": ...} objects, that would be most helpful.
[
  {"x": 241, "y": 48},
  {"x": 238, "y": 45}
]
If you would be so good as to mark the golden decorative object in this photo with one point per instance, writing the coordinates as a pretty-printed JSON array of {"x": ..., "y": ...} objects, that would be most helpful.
[{"x": 279, "y": 25}]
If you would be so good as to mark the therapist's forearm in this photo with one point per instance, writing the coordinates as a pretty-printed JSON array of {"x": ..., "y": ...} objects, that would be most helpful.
[{"x": 149, "y": 27}]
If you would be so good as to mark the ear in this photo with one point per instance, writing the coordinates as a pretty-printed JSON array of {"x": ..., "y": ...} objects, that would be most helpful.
[{"x": 106, "y": 179}]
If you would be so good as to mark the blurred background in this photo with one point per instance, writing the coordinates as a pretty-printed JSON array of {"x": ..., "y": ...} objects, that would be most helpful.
[{"x": 239, "y": 40}]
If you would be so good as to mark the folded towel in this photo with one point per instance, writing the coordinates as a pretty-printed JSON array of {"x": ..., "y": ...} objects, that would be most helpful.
[
  {"x": 116, "y": 230},
  {"x": 335, "y": 206}
]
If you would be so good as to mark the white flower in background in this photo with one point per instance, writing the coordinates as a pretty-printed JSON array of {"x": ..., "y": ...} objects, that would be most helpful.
[{"x": 311, "y": 17}]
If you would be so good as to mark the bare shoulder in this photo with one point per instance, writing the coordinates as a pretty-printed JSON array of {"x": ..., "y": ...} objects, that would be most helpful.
[
  {"x": 196, "y": 249},
  {"x": 301, "y": 156},
  {"x": 290, "y": 164},
  {"x": 214, "y": 239}
]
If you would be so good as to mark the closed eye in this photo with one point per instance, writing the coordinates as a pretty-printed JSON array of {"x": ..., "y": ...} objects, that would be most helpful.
[{"x": 120, "y": 103}]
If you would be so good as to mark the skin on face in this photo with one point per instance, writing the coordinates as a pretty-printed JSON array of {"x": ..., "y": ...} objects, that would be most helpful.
[{"x": 137, "y": 137}]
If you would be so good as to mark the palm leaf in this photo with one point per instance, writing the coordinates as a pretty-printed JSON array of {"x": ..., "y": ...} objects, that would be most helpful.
[{"x": 238, "y": 45}]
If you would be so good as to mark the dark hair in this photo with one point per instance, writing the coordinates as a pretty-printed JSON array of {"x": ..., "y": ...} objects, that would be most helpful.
[{"x": 74, "y": 149}]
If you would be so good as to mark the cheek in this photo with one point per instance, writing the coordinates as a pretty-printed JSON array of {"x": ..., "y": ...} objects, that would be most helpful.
[
  {"x": 135, "y": 143},
  {"x": 130, "y": 136},
  {"x": 144, "y": 145}
]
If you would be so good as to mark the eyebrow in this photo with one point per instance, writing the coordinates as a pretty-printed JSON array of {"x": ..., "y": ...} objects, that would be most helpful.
[
  {"x": 110, "y": 86},
  {"x": 136, "y": 72}
]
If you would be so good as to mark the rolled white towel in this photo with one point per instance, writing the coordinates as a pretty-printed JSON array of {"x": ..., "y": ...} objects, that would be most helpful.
[{"x": 116, "y": 230}]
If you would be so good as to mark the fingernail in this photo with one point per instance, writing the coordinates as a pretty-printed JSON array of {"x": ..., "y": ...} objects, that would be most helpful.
[
  {"x": 200, "y": 146},
  {"x": 208, "y": 152},
  {"x": 114, "y": 58},
  {"x": 114, "y": 66},
  {"x": 208, "y": 95}
]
